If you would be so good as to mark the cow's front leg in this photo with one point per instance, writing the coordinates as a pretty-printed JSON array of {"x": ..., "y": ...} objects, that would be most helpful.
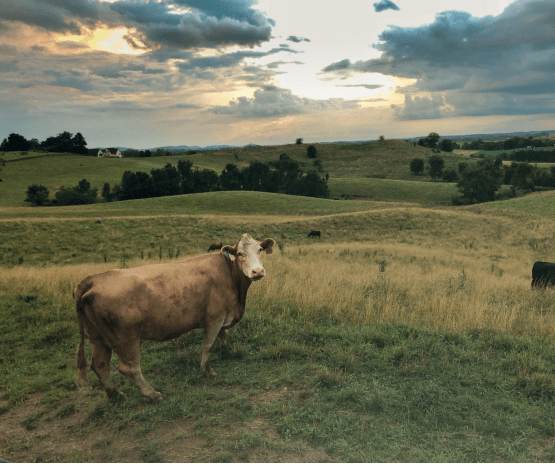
[{"x": 210, "y": 333}]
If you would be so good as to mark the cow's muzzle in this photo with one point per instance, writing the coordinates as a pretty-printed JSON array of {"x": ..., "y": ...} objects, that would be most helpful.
[{"x": 257, "y": 274}]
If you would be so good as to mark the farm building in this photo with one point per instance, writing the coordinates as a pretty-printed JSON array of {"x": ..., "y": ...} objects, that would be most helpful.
[{"x": 109, "y": 153}]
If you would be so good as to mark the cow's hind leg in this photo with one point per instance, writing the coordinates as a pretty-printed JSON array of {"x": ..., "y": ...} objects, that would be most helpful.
[
  {"x": 129, "y": 365},
  {"x": 100, "y": 364}
]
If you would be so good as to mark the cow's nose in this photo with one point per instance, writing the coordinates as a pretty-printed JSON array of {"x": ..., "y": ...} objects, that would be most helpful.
[{"x": 258, "y": 273}]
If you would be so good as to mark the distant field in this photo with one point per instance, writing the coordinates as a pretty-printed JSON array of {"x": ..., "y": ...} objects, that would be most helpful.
[
  {"x": 373, "y": 167},
  {"x": 542, "y": 204},
  {"x": 221, "y": 203},
  {"x": 425, "y": 193},
  {"x": 495, "y": 152}
]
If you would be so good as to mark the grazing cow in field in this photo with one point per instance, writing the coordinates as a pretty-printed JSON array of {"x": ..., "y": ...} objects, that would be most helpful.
[
  {"x": 543, "y": 274},
  {"x": 314, "y": 233},
  {"x": 117, "y": 309},
  {"x": 215, "y": 246}
]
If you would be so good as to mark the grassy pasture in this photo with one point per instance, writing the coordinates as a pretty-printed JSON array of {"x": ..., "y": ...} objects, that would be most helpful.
[
  {"x": 375, "y": 160},
  {"x": 423, "y": 193},
  {"x": 403, "y": 334},
  {"x": 542, "y": 204}
]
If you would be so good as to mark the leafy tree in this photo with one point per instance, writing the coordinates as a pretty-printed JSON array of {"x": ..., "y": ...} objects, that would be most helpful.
[
  {"x": 310, "y": 185},
  {"x": 135, "y": 186},
  {"x": 520, "y": 176},
  {"x": 107, "y": 194},
  {"x": 185, "y": 169},
  {"x": 311, "y": 151},
  {"x": 205, "y": 180},
  {"x": 83, "y": 186},
  {"x": 450, "y": 175},
  {"x": 79, "y": 144},
  {"x": 417, "y": 166},
  {"x": 299, "y": 141},
  {"x": 230, "y": 179},
  {"x": 480, "y": 183},
  {"x": 382, "y": 138},
  {"x": 15, "y": 142},
  {"x": 165, "y": 181},
  {"x": 435, "y": 166},
  {"x": 37, "y": 195},
  {"x": 82, "y": 194},
  {"x": 431, "y": 140},
  {"x": 446, "y": 145},
  {"x": 318, "y": 165},
  {"x": 255, "y": 177}
]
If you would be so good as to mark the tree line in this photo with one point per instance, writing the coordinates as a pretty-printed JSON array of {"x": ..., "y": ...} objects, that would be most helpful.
[
  {"x": 480, "y": 182},
  {"x": 65, "y": 142},
  {"x": 509, "y": 144},
  {"x": 281, "y": 176}
]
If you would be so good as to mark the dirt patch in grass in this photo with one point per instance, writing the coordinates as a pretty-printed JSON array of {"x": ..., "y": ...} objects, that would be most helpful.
[{"x": 29, "y": 435}]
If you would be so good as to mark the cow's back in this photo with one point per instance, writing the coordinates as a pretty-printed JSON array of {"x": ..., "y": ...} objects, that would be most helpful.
[{"x": 159, "y": 301}]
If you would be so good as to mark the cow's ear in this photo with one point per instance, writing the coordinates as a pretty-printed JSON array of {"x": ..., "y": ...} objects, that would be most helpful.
[
  {"x": 267, "y": 245},
  {"x": 228, "y": 250}
]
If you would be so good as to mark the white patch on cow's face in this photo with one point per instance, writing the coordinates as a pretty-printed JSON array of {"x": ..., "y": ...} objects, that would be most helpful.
[{"x": 248, "y": 254}]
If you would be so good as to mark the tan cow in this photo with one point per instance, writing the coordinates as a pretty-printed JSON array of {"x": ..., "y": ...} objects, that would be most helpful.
[{"x": 117, "y": 309}]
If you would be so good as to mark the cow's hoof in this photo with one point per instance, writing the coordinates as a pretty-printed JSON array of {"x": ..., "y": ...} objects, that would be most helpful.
[
  {"x": 210, "y": 373},
  {"x": 116, "y": 396},
  {"x": 155, "y": 397},
  {"x": 225, "y": 353}
]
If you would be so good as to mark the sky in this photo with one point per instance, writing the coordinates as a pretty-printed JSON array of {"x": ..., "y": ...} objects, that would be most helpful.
[{"x": 150, "y": 73}]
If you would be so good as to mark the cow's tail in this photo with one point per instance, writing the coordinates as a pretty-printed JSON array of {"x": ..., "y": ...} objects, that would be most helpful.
[{"x": 81, "y": 358}]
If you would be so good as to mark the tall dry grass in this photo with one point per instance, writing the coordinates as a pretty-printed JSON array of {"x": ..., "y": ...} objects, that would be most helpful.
[{"x": 362, "y": 283}]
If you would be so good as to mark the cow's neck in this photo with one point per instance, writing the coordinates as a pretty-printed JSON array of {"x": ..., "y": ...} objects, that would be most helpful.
[
  {"x": 240, "y": 280},
  {"x": 242, "y": 283}
]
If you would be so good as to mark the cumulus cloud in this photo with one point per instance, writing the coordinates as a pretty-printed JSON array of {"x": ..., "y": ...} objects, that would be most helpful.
[
  {"x": 296, "y": 39},
  {"x": 206, "y": 23},
  {"x": 275, "y": 102},
  {"x": 461, "y": 55},
  {"x": 385, "y": 5},
  {"x": 338, "y": 66}
]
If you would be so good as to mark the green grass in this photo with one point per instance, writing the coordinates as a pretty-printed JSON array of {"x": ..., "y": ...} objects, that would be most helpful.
[
  {"x": 366, "y": 393},
  {"x": 233, "y": 203},
  {"x": 542, "y": 204},
  {"x": 425, "y": 193},
  {"x": 379, "y": 160}
]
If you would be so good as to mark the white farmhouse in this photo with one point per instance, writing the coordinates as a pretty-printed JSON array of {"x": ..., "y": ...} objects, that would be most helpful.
[{"x": 109, "y": 153}]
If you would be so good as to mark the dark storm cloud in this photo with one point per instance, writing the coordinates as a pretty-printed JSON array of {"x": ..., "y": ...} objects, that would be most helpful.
[
  {"x": 275, "y": 102},
  {"x": 385, "y": 5},
  {"x": 209, "y": 23},
  {"x": 241, "y": 10},
  {"x": 56, "y": 15},
  {"x": 458, "y": 54}
]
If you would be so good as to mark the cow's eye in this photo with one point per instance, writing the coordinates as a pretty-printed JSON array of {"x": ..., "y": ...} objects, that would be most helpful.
[{"x": 242, "y": 255}]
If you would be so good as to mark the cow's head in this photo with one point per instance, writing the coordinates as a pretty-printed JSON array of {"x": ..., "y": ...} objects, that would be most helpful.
[{"x": 247, "y": 253}]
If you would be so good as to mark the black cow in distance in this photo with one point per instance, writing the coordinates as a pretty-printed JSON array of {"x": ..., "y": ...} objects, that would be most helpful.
[{"x": 543, "y": 274}]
